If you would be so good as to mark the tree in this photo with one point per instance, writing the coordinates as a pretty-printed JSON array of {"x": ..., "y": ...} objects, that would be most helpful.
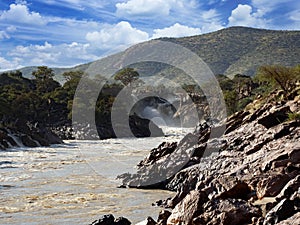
[
  {"x": 44, "y": 79},
  {"x": 277, "y": 75},
  {"x": 73, "y": 75},
  {"x": 127, "y": 76},
  {"x": 43, "y": 73}
]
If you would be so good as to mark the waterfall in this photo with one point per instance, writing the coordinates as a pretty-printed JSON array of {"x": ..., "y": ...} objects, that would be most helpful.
[{"x": 15, "y": 138}]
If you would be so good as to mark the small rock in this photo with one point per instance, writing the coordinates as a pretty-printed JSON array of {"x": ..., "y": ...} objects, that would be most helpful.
[
  {"x": 105, "y": 220},
  {"x": 240, "y": 191},
  {"x": 122, "y": 221},
  {"x": 163, "y": 217},
  {"x": 148, "y": 221}
]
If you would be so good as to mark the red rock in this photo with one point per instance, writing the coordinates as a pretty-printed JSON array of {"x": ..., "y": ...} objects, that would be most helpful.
[
  {"x": 189, "y": 208},
  {"x": 271, "y": 185}
]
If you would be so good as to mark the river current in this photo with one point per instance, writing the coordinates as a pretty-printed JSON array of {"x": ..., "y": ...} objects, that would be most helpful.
[{"x": 74, "y": 183}]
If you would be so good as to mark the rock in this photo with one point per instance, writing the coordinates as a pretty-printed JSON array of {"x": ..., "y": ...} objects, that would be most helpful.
[
  {"x": 274, "y": 116},
  {"x": 271, "y": 185},
  {"x": 148, "y": 221},
  {"x": 105, "y": 220},
  {"x": 289, "y": 189},
  {"x": 234, "y": 121},
  {"x": 239, "y": 191},
  {"x": 110, "y": 220},
  {"x": 256, "y": 161},
  {"x": 163, "y": 217},
  {"x": 190, "y": 207},
  {"x": 228, "y": 212},
  {"x": 139, "y": 127},
  {"x": 143, "y": 127},
  {"x": 122, "y": 221},
  {"x": 283, "y": 210},
  {"x": 295, "y": 219},
  {"x": 155, "y": 154},
  {"x": 26, "y": 134}
]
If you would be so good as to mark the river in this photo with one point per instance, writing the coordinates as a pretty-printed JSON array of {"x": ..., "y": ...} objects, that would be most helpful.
[{"x": 74, "y": 183}]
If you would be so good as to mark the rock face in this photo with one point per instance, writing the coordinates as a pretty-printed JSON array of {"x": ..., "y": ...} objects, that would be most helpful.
[
  {"x": 139, "y": 128},
  {"x": 23, "y": 134},
  {"x": 249, "y": 175}
]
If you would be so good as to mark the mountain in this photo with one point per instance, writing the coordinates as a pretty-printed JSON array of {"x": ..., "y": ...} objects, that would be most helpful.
[
  {"x": 241, "y": 50},
  {"x": 27, "y": 71},
  {"x": 230, "y": 51}
]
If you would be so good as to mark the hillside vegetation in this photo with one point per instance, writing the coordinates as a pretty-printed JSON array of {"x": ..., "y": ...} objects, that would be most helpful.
[
  {"x": 242, "y": 50},
  {"x": 231, "y": 51}
]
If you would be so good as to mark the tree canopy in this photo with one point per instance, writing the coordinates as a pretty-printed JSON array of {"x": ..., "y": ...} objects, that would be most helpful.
[{"x": 127, "y": 76}]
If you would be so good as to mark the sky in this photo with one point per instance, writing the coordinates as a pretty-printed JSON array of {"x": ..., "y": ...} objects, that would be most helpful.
[{"x": 64, "y": 33}]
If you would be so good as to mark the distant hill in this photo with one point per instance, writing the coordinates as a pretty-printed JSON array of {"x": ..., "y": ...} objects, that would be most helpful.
[
  {"x": 241, "y": 50},
  {"x": 27, "y": 71},
  {"x": 230, "y": 51}
]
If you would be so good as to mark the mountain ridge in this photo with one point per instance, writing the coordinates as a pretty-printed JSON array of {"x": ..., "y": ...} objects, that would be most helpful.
[{"x": 229, "y": 51}]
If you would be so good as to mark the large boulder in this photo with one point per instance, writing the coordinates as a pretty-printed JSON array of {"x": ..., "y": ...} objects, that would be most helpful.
[
  {"x": 228, "y": 212},
  {"x": 189, "y": 208}
]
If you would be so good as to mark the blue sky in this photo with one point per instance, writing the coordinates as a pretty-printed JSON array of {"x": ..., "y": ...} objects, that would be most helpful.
[{"x": 63, "y": 33}]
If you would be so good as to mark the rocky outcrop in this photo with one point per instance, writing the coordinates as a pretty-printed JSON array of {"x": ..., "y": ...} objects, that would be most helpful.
[
  {"x": 249, "y": 175},
  {"x": 139, "y": 128},
  {"x": 26, "y": 134}
]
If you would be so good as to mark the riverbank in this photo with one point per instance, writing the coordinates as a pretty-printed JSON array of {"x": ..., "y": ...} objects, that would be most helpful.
[{"x": 252, "y": 177}]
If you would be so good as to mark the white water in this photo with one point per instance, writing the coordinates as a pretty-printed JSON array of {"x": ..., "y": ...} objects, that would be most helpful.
[{"x": 75, "y": 183}]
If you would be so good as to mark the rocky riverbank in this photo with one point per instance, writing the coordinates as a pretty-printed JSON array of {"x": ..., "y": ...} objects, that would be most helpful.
[
  {"x": 26, "y": 134},
  {"x": 249, "y": 175},
  {"x": 139, "y": 128}
]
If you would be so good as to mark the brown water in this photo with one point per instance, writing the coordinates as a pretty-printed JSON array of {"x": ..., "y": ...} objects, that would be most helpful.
[{"x": 74, "y": 183}]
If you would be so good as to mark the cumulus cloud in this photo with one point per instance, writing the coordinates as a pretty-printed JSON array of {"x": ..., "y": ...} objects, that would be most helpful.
[
  {"x": 243, "y": 15},
  {"x": 9, "y": 64},
  {"x": 161, "y": 10},
  {"x": 116, "y": 36},
  {"x": 20, "y": 14},
  {"x": 51, "y": 55},
  {"x": 177, "y": 30},
  {"x": 144, "y": 8}
]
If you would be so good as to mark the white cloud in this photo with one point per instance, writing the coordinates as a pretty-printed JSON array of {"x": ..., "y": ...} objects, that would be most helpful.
[
  {"x": 160, "y": 10},
  {"x": 3, "y": 35},
  {"x": 243, "y": 15},
  {"x": 116, "y": 36},
  {"x": 270, "y": 5},
  {"x": 295, "y": 15},
  {"x": 177, "y": 30},
  {"x": 51, "y": 55},
  {"x": 20, "y": 14},
  {"x": 9, "y": 64},
  {"x": 144, "y": 8},
  {"x": 79, "y": 4}
]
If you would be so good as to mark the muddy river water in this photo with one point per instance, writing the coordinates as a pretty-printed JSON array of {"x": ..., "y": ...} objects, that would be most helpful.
[{"x": 75, "y": 183}]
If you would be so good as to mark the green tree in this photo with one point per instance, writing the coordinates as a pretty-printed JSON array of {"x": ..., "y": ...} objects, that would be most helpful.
[
  {"x": 44, "y": 79},
  {"x": 43, "y": 73},
  {"x": 230, "y": 98},
  {"x": 127, "y": 76},
  {"x": 276, "y": 75},
  {"x": 73, "y": 75}
]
